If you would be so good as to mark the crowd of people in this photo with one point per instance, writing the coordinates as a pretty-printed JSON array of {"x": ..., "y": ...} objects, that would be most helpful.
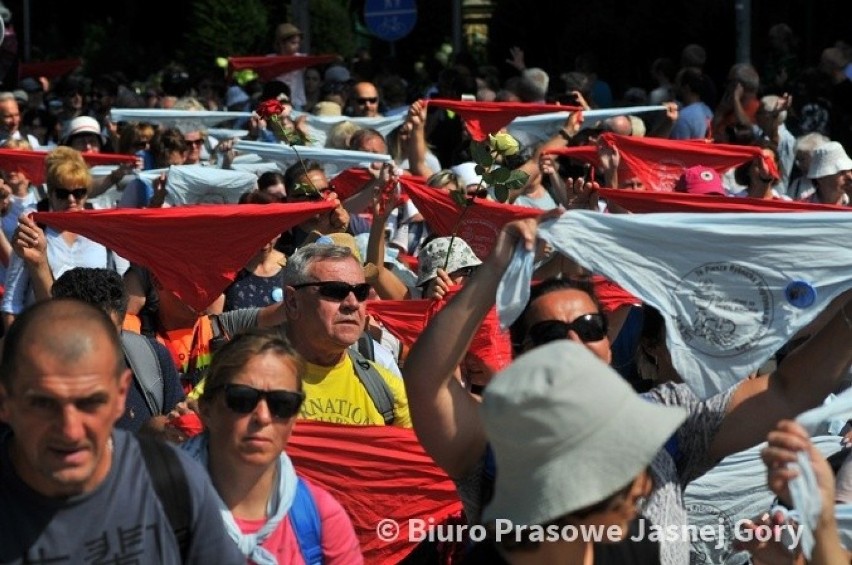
[{"x": 574, "y": 417}]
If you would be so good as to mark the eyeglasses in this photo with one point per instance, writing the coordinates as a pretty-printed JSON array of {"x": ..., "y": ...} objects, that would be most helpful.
[
  {"x": 196, "y": 142},
  {"x": 243, "y": 399},
  {"x": 589, "y": 327},
  {"x": 64, "y": 193},
  {"x": 371, "y": 100},
  {"x": 338, "y": 290}
]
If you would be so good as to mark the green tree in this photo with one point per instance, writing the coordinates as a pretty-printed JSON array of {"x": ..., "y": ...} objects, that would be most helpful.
[
  {"x": 222, "y": 28},
  {"x": 331, "y": 28}
]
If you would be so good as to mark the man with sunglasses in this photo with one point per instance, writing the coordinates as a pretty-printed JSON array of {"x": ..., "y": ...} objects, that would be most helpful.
[
  {"x": 449, "y": 428},
  {"x": 72, "y": 487},
  {"x": 325, "y": 294},
  {"x": 364, "y": 101}
]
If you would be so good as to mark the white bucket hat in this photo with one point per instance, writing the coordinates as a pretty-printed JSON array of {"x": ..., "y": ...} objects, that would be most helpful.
[
  {"x": 434, "y": 254},
  {"x": 567, "y": 432},
  {"x": 828, "y": 159},
  {"x": 466, "y": 173},
  {"x": 83, "y": 124}
]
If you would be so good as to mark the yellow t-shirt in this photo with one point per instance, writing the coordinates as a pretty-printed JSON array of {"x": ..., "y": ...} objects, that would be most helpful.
[{"x": 335, "y": 394}]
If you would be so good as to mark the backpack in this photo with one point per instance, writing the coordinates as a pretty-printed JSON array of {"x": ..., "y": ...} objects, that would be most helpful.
[
  {"x": 170, "y": 484},
  {"x": 143, "y": 361},
  {"x": 379, "y": 391}
]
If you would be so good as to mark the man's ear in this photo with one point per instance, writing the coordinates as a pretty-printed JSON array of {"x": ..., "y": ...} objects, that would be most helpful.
[{"x": 291, "y": 303}]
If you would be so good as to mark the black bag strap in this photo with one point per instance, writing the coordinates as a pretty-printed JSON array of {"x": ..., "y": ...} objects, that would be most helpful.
[
  {"x": 170, "y": 484},
  {"x": 145, "y": 364},
  {"x": 377, "y": 388}
]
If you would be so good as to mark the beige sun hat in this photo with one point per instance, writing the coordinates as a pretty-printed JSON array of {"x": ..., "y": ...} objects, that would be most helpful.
[{"x": 567, "y": 432}]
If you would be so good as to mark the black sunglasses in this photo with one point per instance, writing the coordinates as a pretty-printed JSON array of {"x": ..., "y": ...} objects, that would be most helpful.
[
  {"x": 371, "y": 100},
  {"x": 64, "y": 193},
  {"x": 243, "y": 399},
  {"x": 589, "y": 327},
  {"x": 338, "y": 290}
]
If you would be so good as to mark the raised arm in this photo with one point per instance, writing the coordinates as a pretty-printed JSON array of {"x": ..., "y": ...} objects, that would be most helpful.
[
  {"x": 30, "y": 243},
  {"x": 388, "y": 286},
  {"x": 445, "y": 416},
  {"x": 803, "y": 380},
  {"x": 416, "y": 140}
]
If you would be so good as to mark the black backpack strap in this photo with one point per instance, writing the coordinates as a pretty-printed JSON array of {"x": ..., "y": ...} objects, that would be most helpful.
[
  {"x": 145, "y": 364},
  {"x": 377, "y": 388},
  {"x": 170, "y": 484}
]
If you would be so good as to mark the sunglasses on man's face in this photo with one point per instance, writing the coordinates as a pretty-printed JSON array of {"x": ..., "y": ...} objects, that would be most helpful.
[
  {"x": 64, "y": 193},
  {"x": 588, "y": 327},
  {"x": 243, "y": 399},
  {"x": 338, "y": 290},
  {"x": 368, "y": 100}
]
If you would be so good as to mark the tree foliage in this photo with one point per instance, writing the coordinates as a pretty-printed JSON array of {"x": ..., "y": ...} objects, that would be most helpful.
[{"x": 221, "y": 28}]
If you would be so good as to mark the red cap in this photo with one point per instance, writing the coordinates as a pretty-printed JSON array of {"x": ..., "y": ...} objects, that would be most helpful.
[{"x": 700, "y": 180}]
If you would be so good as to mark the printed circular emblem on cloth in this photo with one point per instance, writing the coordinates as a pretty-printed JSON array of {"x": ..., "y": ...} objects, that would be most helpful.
[
  {"x": 727, "y": 308},
  {"x": 800, "y": 294},
  {"x": 277, "y": 294}
]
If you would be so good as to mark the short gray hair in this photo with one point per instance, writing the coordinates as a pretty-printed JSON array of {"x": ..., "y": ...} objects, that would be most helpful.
[{"x": 296, "y": 271}]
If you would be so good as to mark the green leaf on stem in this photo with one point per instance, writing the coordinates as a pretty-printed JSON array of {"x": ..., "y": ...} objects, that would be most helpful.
[
  {"x": 481, "y": 154},
  {"x": 500, "y": 175},
  {"x": 501, "y": 193},
  {"x": 517, "y": 180}
]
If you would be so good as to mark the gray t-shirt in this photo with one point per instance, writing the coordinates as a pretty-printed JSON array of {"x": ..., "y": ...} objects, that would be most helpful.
[
  {"x": 671, "y": 473},
  {"x": 121, "y": 521}
]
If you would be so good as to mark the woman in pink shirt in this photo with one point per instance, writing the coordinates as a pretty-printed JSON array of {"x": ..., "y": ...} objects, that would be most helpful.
[{"x": 252, "y": 395}]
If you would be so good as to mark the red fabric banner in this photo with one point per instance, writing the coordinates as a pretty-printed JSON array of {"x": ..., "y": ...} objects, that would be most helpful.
[
  {"x": 376, "y": 473},
  {"x": 643, "y": 202},
  {"x": 406, "y": 319},
  {"x": 271, "y": 66},
  {"x": 51, "y": 70},
  {"x": 482, "y": 118},
  {"x": 350, "y": 181},
  {"x": 660, "y": 162},
  {"x": 195, "y": 251},
  {"x": 481, "y": 222},
  {"x": 31, "y": 163}
]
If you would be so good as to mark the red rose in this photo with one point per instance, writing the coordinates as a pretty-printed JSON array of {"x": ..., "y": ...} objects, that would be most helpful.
[{"x": 269, "y": 108}]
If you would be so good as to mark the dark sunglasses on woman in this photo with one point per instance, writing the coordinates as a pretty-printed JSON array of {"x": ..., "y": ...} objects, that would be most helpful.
[
  {"x": 243, "y": 399},
  {"x": 589, "y": 328}
]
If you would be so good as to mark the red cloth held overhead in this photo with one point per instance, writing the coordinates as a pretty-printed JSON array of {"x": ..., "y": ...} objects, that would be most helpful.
[
  {"x": 31, "y": 163},
  {"x": 643, "y": 202},
  {"x": 482, "y": 118},
  {"x": 269, "y": 67},
  {"x": 377, "y": 473},
  {"x": 194, "y": 251},
  {"x": 660, "y": 162},
  {"x": 406, "y": 319},
  {"x": 51, "y": 70},
  {"x": 481, "y": 223}
]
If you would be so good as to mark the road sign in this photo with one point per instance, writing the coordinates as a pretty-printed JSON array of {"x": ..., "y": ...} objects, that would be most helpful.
[{"x": 390, "y": 19}]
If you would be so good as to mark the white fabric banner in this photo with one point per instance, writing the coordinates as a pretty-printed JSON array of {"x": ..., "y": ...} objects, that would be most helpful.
[
  {"x": 195, "y": 184},
  {"x": 333, "y": 160},
  {"x": 541, "y": 127},
  {"x": 732, "y": 287},
  {"x": 319, "y": 126}
]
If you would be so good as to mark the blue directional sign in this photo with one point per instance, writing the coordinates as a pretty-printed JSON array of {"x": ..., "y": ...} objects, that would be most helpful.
[{"x": 390, "y": 19}]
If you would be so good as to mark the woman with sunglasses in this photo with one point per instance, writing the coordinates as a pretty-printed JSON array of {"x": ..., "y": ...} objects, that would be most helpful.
[
  {"x": 42, "y": 254},
  {"x": 448, "y": 424},
  {"x": 249, "y": 408}
]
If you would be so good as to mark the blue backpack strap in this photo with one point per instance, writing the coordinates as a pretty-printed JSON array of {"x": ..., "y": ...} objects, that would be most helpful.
[{"x": 305, "y": 519}]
